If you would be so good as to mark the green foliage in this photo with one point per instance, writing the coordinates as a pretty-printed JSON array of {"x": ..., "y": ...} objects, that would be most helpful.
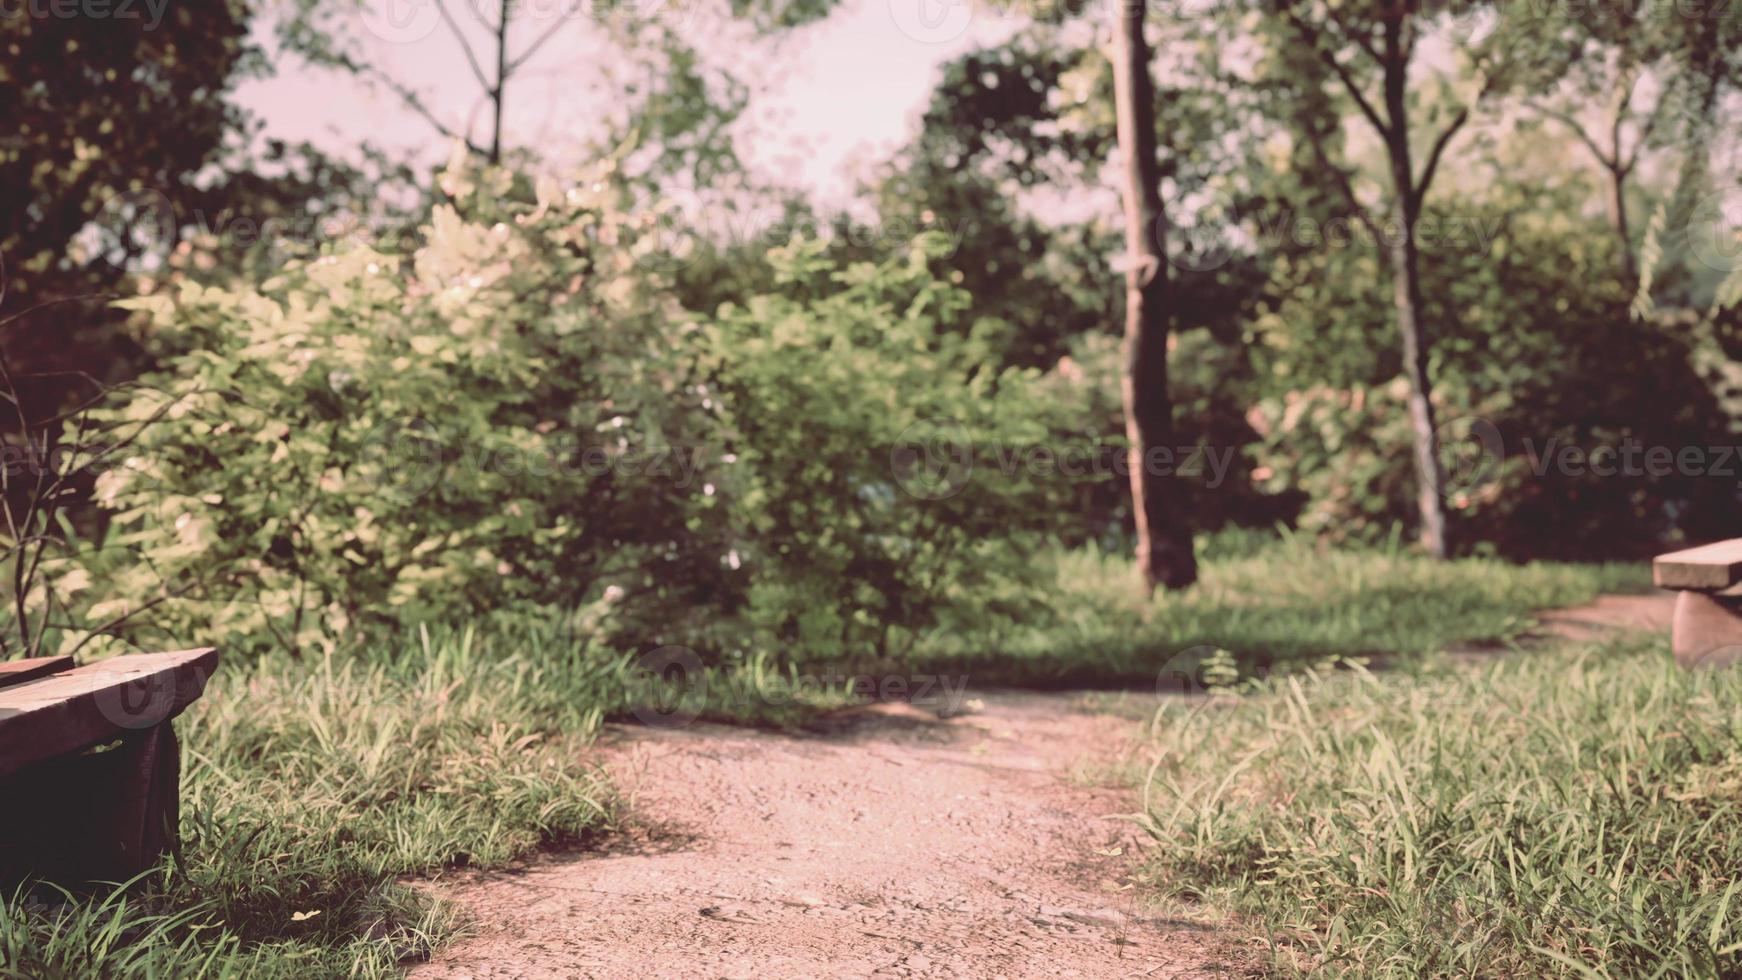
[
  {"x": 1555, "y": 814},
  {"x": 516, "y": 416},
  {"x": 1545, "y": 357},
  {"x": 862, "y": 498},
  {"x": 373, "y": 439}
]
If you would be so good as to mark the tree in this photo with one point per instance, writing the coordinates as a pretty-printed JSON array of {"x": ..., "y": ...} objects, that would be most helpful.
[
  {"x": 316, "y": 32},
  {"x": 680, "y": 111},
  {"x": 1625, "y": 82},
  {"x": 1380, "y": 37},
  {"x": 1164, "y": 540},
  {"x": 109, "y": 118}
]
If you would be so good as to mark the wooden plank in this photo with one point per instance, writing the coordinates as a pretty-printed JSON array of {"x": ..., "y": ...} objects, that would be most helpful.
[
  {"x": 1712, "y": 566},
  {"x": 18, "y": 671},
  {"x": 90, "y": 705}
]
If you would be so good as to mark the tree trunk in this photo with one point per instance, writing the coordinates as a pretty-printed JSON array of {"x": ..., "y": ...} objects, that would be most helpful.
[
  {"x": 1406, "y": 287},
  {"x": 1618, "y": 215},
  {"x": 497, "y": 94},
  {"x": 1164, "y": 541}
]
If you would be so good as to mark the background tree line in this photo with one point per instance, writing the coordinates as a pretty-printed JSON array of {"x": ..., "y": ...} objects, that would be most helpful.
[{"x": 1281, "y": 162}]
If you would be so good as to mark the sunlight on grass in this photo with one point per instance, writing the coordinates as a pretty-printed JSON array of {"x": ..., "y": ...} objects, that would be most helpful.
[
  {"x": 1569, "y": 812},
  {"x": 1269, "y": 603}
]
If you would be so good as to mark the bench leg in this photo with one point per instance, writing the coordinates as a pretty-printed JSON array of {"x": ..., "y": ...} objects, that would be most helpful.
[
  {"x": 147, "y": 814},
  {"x": 95, "y": 816},
  {"x": 1707, "y": 630}
]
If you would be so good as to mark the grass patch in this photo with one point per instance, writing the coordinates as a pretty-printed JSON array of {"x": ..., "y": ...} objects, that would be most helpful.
[
  {"x": 311, "y": 787},
  {"x": 1568, "y": 813},
  {"x": 1269, "y": 602}
]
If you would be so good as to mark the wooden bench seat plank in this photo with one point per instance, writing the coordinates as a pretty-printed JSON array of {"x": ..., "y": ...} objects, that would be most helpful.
[
  {"x": 18, "y": 671},
  {"x": 1712, "y": 566},
  {"x": 85, "y": 706}
]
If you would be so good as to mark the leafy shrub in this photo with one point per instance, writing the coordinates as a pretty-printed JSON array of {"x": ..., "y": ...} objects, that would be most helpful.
[
  {"x": 373, "y": 439},
  {"x": 869, "y": 497},
  {"x": 1534, "y": 352},
  {"x": 517, "y": 416}
]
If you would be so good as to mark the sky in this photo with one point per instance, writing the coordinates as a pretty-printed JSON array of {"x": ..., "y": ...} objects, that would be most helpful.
[{"x": 827, "y": 101}]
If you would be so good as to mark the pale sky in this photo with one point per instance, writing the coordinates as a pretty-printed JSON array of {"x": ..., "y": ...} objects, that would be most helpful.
[{"x": 828, "y": 101}]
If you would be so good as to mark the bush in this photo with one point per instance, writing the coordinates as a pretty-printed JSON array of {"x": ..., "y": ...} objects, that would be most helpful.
[
  {"x": 1534, "y": 351},
  {"x": 518, "y": 417},
  {"x": 373, "y": 439},
  {"x": 868, "y": 500}
]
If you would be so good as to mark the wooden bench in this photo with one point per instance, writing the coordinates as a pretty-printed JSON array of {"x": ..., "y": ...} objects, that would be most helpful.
[
  {"x": 89, "y": 766},
  {"x": 1708, "y": 614}
]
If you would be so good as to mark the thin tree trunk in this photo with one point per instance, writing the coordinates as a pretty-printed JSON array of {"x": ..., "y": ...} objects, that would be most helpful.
[
  {"x": 1164, "y": 540},
  {"x": 496, "y": 95},
  {"x": 1618, "y": 215},
  {"x": 1406, "y": 285}
]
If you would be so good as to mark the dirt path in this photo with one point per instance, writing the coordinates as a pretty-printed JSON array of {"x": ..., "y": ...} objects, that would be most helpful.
[
  {"x": 1648, "y": 611},
  {"x": 890, "y": 843}
]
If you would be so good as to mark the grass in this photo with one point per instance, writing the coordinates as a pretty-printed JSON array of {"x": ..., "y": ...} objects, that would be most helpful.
[
  {"x": 309, "y": 789},
  {"x": 1565, "y": 813},
  {"x": 312, "y": 788},
  {"x": 1269, "y": 603}
]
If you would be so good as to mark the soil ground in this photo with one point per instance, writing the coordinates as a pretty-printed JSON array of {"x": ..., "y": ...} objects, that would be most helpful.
[{"x": 888, "y": 841}]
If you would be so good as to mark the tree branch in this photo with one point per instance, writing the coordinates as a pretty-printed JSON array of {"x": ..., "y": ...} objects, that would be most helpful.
[
  {"x": 1577, "y": 128},
  {"x": 471, "y": 59},
  {"x": 1311, "y": 36},
  {"x": 532, "y": 49},
  {"x": 1433, "y": 157}
]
